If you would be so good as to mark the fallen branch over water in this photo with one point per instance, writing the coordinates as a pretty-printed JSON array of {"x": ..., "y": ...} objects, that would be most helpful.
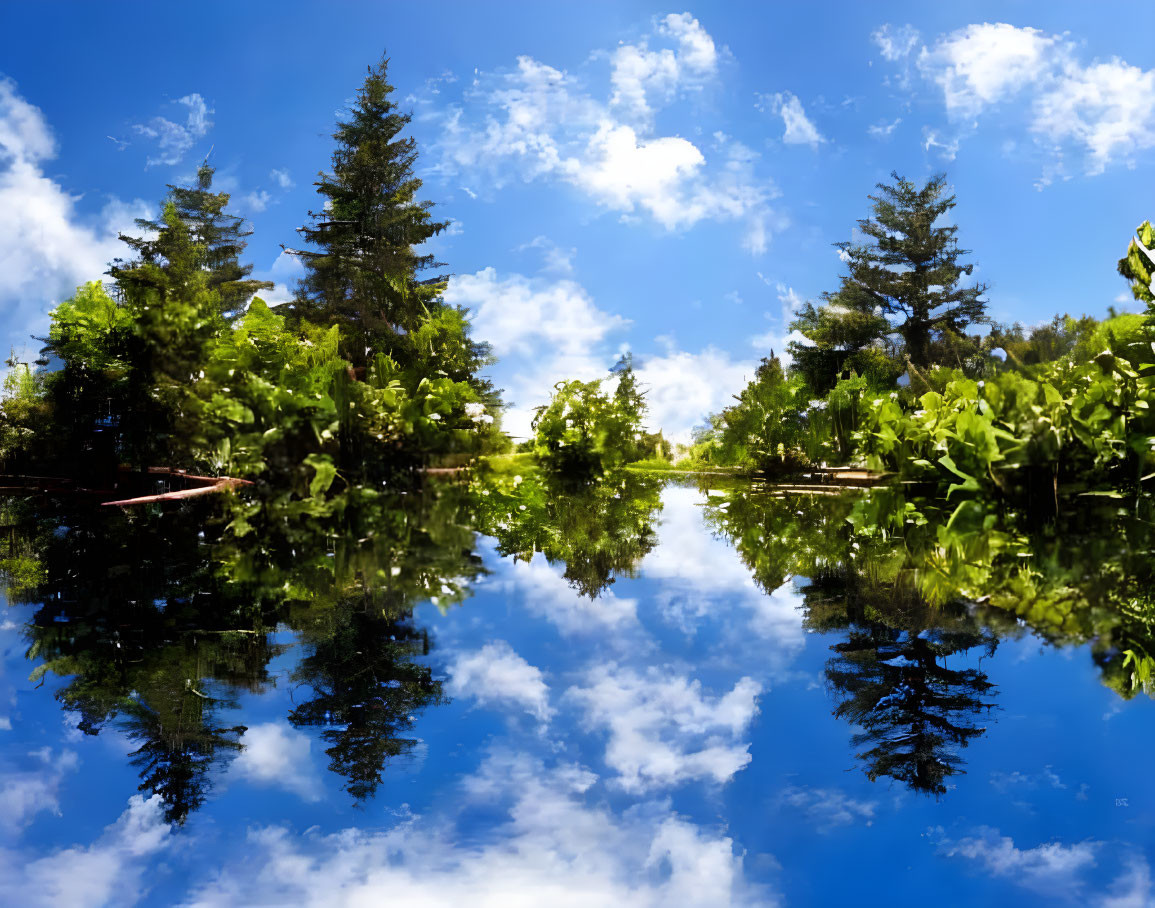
[{"x": 212, "y": 485}]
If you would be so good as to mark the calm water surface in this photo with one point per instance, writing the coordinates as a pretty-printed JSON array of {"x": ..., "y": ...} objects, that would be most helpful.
[{"x": 655, "y": 718}]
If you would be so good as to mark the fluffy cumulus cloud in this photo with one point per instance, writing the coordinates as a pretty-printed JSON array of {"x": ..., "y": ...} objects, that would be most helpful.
[
  {"x": 639, "y": 74},
  {"x": 171, "y": 139},
  {"x": 517, "y": 314},
  {"x": 549, "y": 328},
  {"x": 112, "y": 870},
  {"x": 555, "y": 846},
  {"x": 1099, "y": 113},
  {"x": 285, "y": 271},
  {"x": 981, "y": 65},
  {"x": 545, "y": 330},
  {"x": 496, "y": 675},
  {"x": 278, "y": 756},
  {"x": 662, "y": 729},
  {"x": 549, "y": 595},
  {"x": 47, "y": 247},
  {"x": 683, "y": 387},
  {"x": 539, "y": 122}
]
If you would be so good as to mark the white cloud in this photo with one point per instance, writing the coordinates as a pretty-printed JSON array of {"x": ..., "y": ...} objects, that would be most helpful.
[
  {"x": 520, "y": 315},
  {"x": 682, "y": 388},
  {"x": 496, "y": 674},
  {"x": 173, "y": 139},
  {"x": 1007, "y": 781},
  {"x": 26, "y": 793},
  {"x": 553, "y": 848},
  {"x": 109, "y": 871},
  {"x": 1057, "y": 871},
  {"x": 555, "y": 259},
  {"x": 639, "y": 74},
  {"x": 701, "y": 576},
  {"x": 47, "y": 248},
  {"x": 980, "y": 65},
  {"x": 696, "y": 47},
  {"x": 1132, "y": 888},
  {"x": 777, "y": 339},
  {"x": 1107, "y": 108},
  {"x": 549, "y": 595},
  {"x": 1051, "y": 868},
  {"x": 1103, "y": 110},
  {"x": 799, "y": 129},
  {"x": 552, "y": 329},
  {"x": 285, "y": 271},
  {"x": 947, "y": 146},
  {"x": 256, "y": 202},
  {"x": 662, "y": 730},
  {"x": 281, "y": 177},
  {"x": 540, "y": 123},
  {"x": 621, "y": 171},
  {"x": 895, "y": 43},
  {"x": 278, "y": 756},
  {"x": 883, "y": 129},
  {"x": 828, "y": 808}
]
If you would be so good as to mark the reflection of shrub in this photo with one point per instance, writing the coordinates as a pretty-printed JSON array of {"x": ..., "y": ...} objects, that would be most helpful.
[{"x": 21, "y": 573}]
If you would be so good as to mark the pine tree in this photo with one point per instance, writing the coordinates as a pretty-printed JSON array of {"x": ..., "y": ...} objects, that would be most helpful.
[
  {"x": 363, "y": 270},
  {"x": 220, "y": 238},
  {"x": 909, "y": 271}
]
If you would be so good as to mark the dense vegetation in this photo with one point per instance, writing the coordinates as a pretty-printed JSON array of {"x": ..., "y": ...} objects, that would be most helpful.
[
  {"x": 364, "y": 375},
  {"x": 886, "y": 377}
]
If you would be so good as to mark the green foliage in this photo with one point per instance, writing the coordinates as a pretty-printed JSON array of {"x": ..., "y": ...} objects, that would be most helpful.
[
  {"x": 840, "y": 339},
  {"x": 766, "y": 425},
  {"x": 1137, "y": 265},
  {"x": 583, "y": 431},
  {"x": 369, "y": 376}
]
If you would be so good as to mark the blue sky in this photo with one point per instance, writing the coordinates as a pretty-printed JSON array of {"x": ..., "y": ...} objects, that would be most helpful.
[{"x": 620, "y": 175}]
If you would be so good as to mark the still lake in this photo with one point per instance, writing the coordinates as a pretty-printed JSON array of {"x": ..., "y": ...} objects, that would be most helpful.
[{"x": 656, "y": 718}]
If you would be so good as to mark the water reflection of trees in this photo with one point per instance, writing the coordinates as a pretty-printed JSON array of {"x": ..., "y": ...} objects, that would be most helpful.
[
  {"x": 366, "y": 690},
  {"x": 910, "y": 588},
  {"x": 889, "y": 671},
  {"x": 159, "y": 619},
  {"x": 599, "y": 530},
  {"x": 895, "y": 676}
]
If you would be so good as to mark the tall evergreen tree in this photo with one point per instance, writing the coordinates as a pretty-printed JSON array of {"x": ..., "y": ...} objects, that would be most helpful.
[
  {"x": 220, "y": 239},
  {"x": 910, "y": 271},
  {"x": 363, "y": 270}
]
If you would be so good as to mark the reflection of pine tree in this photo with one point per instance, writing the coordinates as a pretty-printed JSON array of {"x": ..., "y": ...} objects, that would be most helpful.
[
  {"x": 366, "y": 691},
  {"x": 913, "y": 710},
  {"x": 157, "y": 689},
  {"x": 174, "y": 759}
]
